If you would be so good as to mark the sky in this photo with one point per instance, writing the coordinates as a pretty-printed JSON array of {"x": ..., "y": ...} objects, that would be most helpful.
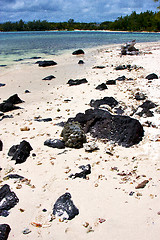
[{"x": 79, "y": 10}]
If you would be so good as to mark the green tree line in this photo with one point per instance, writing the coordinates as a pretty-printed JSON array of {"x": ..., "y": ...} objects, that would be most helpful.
[{"x": 147, "y": 21}]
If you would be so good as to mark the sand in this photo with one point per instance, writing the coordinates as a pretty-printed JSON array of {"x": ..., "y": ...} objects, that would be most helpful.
[{"x": 110, "y": 207}]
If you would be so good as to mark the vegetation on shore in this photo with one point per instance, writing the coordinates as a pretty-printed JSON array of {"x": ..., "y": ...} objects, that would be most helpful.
[{"x": 147, "y": 21}]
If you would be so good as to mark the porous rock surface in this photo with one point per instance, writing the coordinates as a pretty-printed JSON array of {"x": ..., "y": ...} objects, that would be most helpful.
[
  {"x": 64, "y": 207},
  {"x": 124, "y": 130},
  {"x": 73, "y": 135}
]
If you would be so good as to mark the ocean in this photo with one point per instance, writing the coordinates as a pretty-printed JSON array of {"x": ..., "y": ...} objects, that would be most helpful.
[{"x": 19, "y": 46}]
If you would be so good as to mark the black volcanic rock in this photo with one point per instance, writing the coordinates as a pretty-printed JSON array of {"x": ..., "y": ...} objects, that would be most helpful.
[
  {"x": 55, "y": 143},
  {"x": 64, "y": 207},
  {"x": 9, "y": 104},
  {"x": 78, "y": 52},
  {"x": 122, "y": 78},
  {"x": 110, "y": 101},
  {"x": 111, "y": 82},
  {"x": 4, "y": 231},
  {"x": 152, "y": 76},
  {"x": 20, "y": 152},
  {"x": 49, "y": 77},
  {"x": 1, "y": 145},
  {"x": 72, "y": 82},
  {"x": 98, "y": 67},
  {"x": 14, "y": 99},
  {"x": 148, "y": 105},
  {"x": 8, "y": 200},
  {"x": 123, "y": 130},
  {"x": 140, "y": 96},
  {"x": 101, "y": 87},
  {"x": 81, "y": 62},
  {"x": 6, "y": 107},
  {"x": 46, "y": 63}
]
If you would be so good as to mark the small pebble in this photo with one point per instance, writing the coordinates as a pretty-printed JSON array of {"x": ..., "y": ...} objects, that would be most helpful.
[{"x": 26, "y": 231}]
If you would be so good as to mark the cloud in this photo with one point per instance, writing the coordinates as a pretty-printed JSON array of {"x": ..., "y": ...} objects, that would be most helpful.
[{"x": 79, "y": 10}]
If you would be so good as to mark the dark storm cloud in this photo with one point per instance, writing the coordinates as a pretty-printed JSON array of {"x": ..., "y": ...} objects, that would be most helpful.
[{"x": 80, "y": 10}]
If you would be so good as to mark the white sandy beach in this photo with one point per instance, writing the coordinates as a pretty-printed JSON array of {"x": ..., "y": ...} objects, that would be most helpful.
[{"x": 106, "y": 208}]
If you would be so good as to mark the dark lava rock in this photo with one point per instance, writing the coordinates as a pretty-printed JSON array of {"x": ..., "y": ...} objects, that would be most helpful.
[
  {"x": 101, "y": 87},
  {"x": 13, "y": 176},
  {"x": 78, "y": 52},
  {"x": 111, "y": 82},
  {"x": 55, "y": 143},
  {"x": 148, "y": 105},
  {"x": 8, "y": 200},
  {"x": 73, "y": 135},
  {"x": 152, "y": 76},
  {"x": 20, "y": 152},
  {"x": 72, "y": 82},
  {"x": 1, "y": 145},
  {"x": 98, "y": 67},
  {"x": 44, "y": 120},
  {"x": 110, "y": 101},
  {"x": 85, "y": 171},
  {"x": 81, "y": 62},
  {"x": 8, "y": 105},
  {"x": 46, "y": 63},
  {"x": 14, "y": 99},
  {"x": 140, "y": 96},
  {"x": 65, "y": 208},
  {"x": 27, "y": 91},
  {"x": 121, "y": 67},
  {"x": 2, "y": 84},
  {"x": 123, "y": 130},
  {"x": 49, "y": 77},
  {"x": 122, "y": 78},
  {"x": 4, "y": 231},
  {"x": 118, "y": 110}
]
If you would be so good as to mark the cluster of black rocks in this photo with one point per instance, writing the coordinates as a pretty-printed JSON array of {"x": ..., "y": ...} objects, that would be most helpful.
[{"x": 9, "y": 104}]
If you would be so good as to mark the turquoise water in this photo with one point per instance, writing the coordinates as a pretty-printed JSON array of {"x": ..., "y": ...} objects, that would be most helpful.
[{"x": 19, "y": 46}]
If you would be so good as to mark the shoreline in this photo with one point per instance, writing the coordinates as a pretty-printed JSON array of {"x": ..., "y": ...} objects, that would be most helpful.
[{"x": 109, "y": 197}]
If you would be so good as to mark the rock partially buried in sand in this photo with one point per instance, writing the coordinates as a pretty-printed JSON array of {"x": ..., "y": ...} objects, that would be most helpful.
[
  {"x": 152, "y": 76},
  {"x": 14, "y": 99},
  {"x": 78, "y": 52},
  {"x": 73, "y": 135},
  {"x": 1, "y": 145},
  {"x": 55, "y": 143},
  {"x": 8, "y": 105},
  {"x": 4, "y": 231},
  {"x": 81, "y": 62},
  {"x": 20, "y": 152},
  {"x": 64, "y": 207},
  {"x": 110, "y": 101},
  {"x": 102, "y": 87},
  {"x": 111, "y": 82},
  {"x": 8, "y": 200},
  {"x": 85, "y": 171},
  {"x": 2, "y": 84},
  {"x": 140, "y": 96},
  {"x": 46, "y": 63},
  {"x": 123, "y": 130},
  {"x": 72, "y": 82},
  {"x": 49, "y": 77}
]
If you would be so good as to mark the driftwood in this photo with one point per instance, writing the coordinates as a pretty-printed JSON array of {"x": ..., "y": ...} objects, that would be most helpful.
[{"x": 129, "y": 48}]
